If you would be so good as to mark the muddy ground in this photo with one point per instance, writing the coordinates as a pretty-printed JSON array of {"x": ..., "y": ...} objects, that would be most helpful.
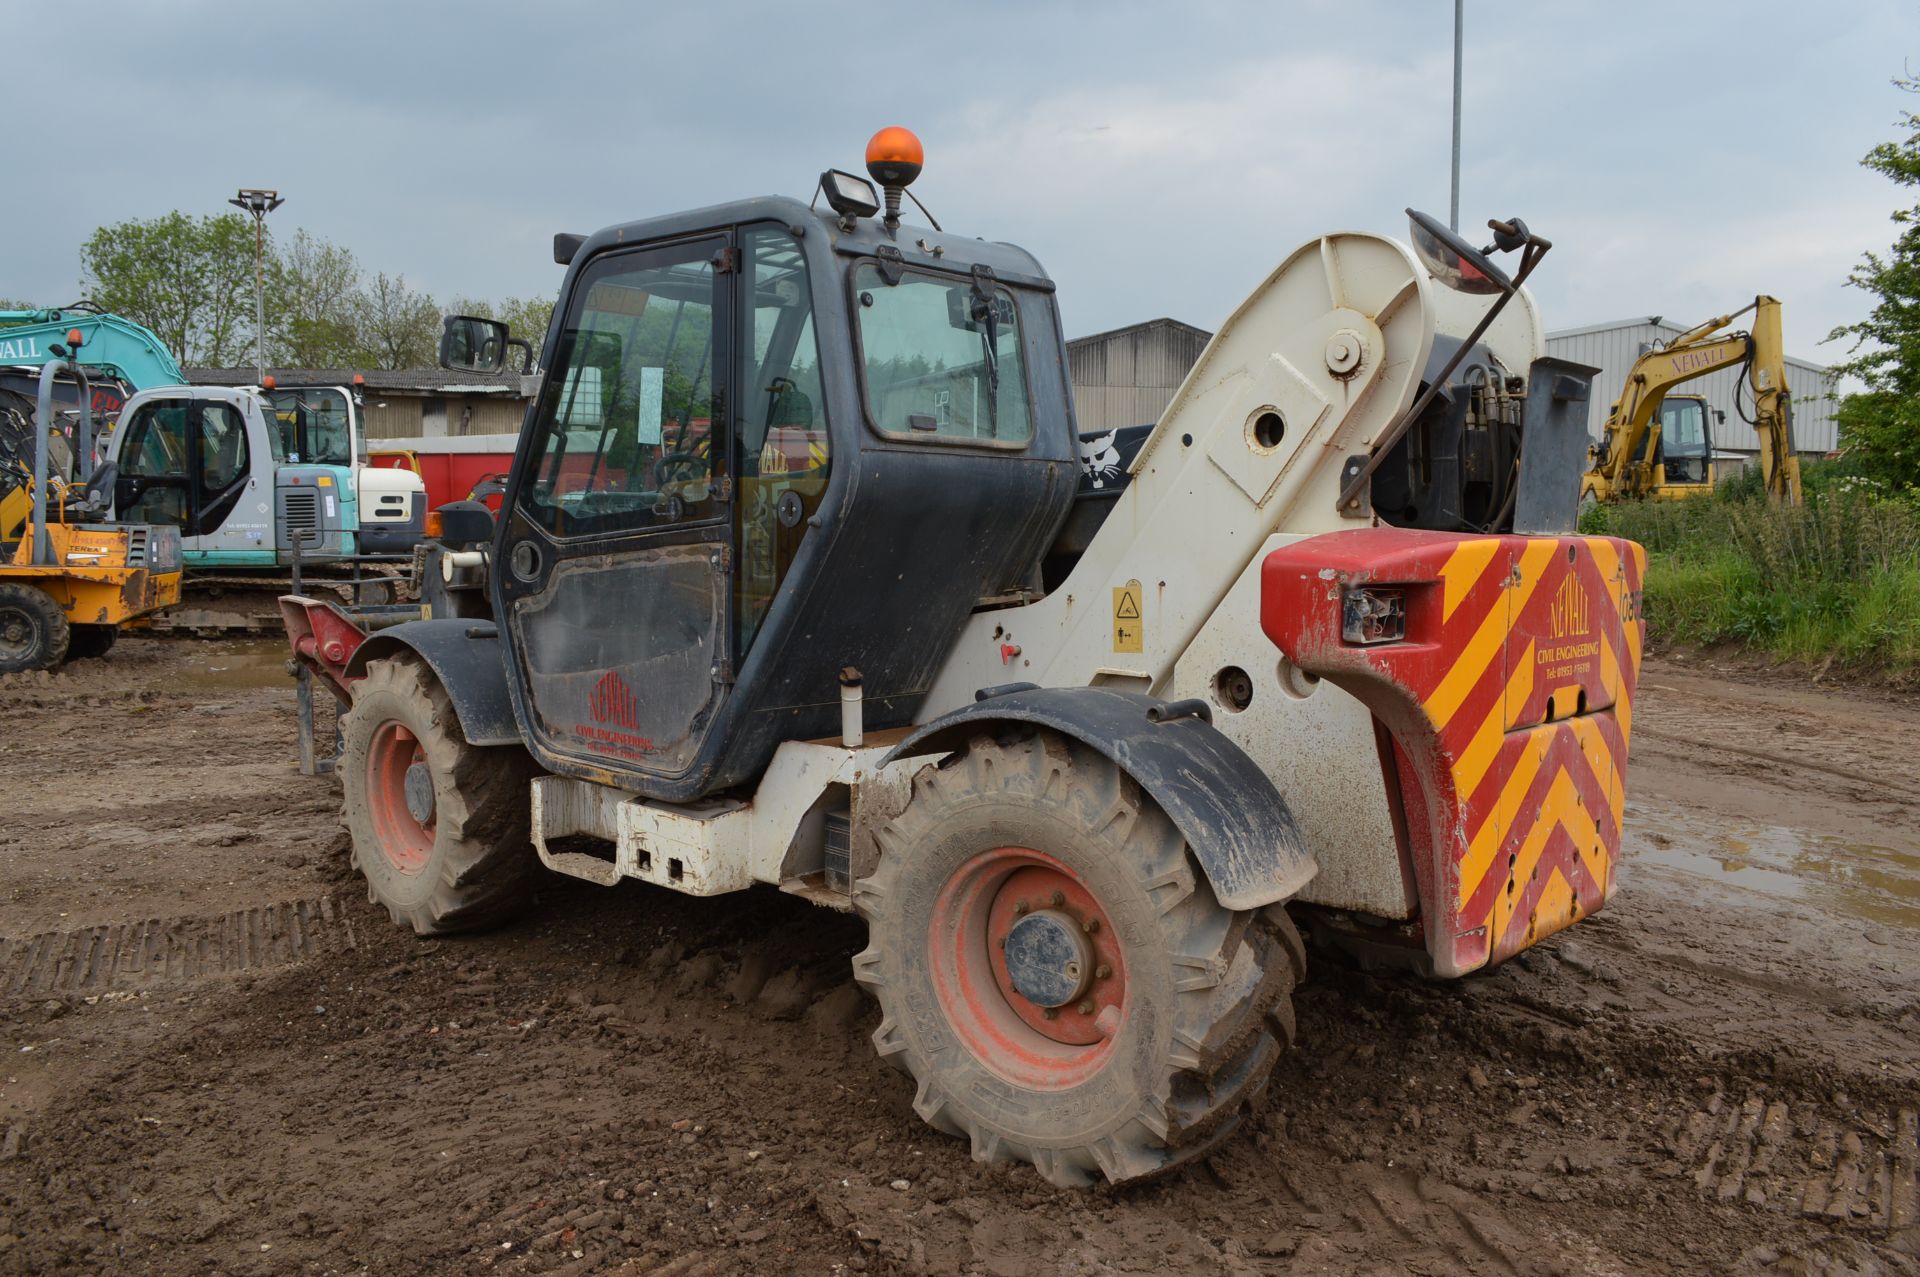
[{"x": 219, "y": 1058}]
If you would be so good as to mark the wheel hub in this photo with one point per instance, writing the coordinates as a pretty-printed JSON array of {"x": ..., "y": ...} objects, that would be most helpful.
[
  {"x": 1048, "y": 958},
  {"x": 399, "y": 783},
  {"x": 1028, "y": 968},
  {"x": 1053, "y": 953},
  {"x": 419, "y": 791}
]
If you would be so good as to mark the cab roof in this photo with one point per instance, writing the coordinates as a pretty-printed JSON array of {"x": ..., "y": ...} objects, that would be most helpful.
[{"x": 918, "y": 245}]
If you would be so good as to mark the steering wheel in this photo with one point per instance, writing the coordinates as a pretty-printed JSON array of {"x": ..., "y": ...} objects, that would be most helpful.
[{"x": 693, "y": 463}]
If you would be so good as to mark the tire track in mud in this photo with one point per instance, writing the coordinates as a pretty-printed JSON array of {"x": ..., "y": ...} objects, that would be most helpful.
[
  {"x": 1772, "y": 1153},
  {"x": 170, "y": 950}
]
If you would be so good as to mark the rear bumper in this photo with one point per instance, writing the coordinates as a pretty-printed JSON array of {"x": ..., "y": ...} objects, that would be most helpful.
[
  {"x": 1504, "y": 712},
  {"x": 388, "y": 535}
]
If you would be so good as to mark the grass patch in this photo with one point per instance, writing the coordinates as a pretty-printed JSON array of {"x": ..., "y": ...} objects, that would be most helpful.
[{"x": 1835, "y": 581}]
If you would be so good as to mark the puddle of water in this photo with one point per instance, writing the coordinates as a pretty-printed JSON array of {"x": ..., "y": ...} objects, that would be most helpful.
[
  {"x": 225, "y": 665},
  {"x": 1870, "y": 882}
]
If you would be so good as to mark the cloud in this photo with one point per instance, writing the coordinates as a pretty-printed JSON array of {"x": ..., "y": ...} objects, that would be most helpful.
[{"x": 1159, "y": 159}]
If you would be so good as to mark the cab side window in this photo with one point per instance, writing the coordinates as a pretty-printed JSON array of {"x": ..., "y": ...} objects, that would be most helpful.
[
  {"x": 223, "y": 447},
  {"x": 156, "y": 444},
  {"x": 784, "y": 450}
]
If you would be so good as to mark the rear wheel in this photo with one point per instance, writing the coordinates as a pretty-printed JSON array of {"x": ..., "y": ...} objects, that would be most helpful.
[
  {"x": 34, "y": 634},
  {"x": 439, "y": 827},
  {"x": 1055, "y": 973},
  {"x": 90, "y": 641}
]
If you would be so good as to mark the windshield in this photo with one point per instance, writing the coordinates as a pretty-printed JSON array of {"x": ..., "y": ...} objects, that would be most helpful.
[
  {"x": 941, "y": 358},
  {"x": 1683, "y": 427},
  {"x": 313, "y": 424},
  {"x": 1683, "y": 441}
]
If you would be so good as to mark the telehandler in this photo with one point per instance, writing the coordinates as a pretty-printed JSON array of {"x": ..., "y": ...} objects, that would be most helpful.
[{"x": 1330, "y": 649}]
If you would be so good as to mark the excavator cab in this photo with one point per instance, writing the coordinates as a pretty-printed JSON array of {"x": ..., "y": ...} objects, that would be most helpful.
[{"x": 1683, "y": 445}]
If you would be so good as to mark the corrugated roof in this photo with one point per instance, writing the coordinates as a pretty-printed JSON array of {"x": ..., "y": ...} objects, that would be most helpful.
[
  {"x": 1662, "y": 324},
  {"x": 1201, "y": 333},
  {"x": 438, "y": 381}
]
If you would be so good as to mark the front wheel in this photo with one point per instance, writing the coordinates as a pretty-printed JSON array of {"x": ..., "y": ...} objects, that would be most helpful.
[
  {"x": 1056, "y": 974},
  {"x": 34, "y": 633},
  {"x": 439, "y": 826}
]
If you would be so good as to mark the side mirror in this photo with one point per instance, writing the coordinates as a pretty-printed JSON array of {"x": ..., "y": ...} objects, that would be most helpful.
[
  {"x": 465, "y": 523},
  {"x": 471, "y": 344},
  {"x": 1453, "y": 261}
]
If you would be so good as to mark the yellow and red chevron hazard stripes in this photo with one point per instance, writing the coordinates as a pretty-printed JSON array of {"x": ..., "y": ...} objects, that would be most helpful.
[{"x": 1509, "y": 704}]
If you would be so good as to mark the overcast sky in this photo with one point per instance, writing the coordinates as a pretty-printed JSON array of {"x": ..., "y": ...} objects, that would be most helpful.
[{"x": 1159, "y": 158}]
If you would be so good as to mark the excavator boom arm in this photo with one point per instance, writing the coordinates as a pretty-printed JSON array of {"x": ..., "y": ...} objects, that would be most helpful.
[{"x": 123, "y": 349}]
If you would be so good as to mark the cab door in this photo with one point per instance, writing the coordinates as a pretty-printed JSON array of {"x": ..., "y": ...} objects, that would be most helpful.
[
  {"x": 188, "y": 463},
  {"x": 614, "y": 556},
  {"x": 155, "y": 459}
]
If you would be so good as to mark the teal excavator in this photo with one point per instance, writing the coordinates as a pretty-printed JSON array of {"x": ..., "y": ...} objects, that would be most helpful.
[{"x": 254, "y": 477}]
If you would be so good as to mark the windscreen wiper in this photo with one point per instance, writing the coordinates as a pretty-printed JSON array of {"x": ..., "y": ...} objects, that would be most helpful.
[{"x": 987, "y": 314}]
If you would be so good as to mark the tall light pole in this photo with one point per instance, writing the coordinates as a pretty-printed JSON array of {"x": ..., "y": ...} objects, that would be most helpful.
[
  {"x": 260, "y": 203},
  {"x": 1459, "y": 22}
]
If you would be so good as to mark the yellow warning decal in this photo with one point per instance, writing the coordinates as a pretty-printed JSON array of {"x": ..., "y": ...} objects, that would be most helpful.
[{"x": 1128, "y": 629}]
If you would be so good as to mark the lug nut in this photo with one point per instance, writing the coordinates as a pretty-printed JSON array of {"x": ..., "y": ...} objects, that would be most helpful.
[
  {"x": 1093, "y": 925},
  {"x": 1052, "y": 1013},
  {"x": 1100, "y": 972},
  {"x": 1057, "y": 899},
  {"x": 1086, "y": 1007},
  {"x": 1020, "y": 909}
]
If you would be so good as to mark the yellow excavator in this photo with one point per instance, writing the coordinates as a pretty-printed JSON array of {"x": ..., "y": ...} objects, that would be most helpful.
[
  {"x": 74, "y": 578},
  {"x": 1661, "y": 447}
]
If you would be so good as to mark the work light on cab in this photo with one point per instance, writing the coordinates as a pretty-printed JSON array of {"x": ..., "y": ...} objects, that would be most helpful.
[{"x": 851, "y": 197}]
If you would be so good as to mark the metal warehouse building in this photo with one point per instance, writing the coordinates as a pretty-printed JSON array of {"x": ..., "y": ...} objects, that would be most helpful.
[
  {"x": 1613, "y": 347},
  {"x": 1127, "y": 377}
]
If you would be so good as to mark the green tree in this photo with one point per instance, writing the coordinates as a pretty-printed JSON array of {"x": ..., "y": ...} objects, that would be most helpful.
[
  {"x": 315, "y": 305},
  {"x": 1880, "y": 428},
  {"x": 188, "y": 279},
  {"x": 528, "y": 317},
  {"x": 399, "y": 328}
]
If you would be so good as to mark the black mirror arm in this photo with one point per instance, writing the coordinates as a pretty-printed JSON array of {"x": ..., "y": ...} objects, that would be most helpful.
[
  {"x": 527, "y": 354},
  {"x": 1350, "y": 495}
]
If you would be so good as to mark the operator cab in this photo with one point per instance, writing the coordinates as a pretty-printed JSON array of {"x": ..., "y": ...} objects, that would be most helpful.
[
  {"x": 186, "y": 459},
  {"x": 1685, "y": 447},
  {"x": 773, "y": 442},
  {"x": 315, "y": 424}
]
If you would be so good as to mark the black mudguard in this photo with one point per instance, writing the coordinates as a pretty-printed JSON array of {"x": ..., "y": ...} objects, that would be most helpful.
[
  {"x": 1236, "y": 822},
  {"x": 465, "y": 657}
]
